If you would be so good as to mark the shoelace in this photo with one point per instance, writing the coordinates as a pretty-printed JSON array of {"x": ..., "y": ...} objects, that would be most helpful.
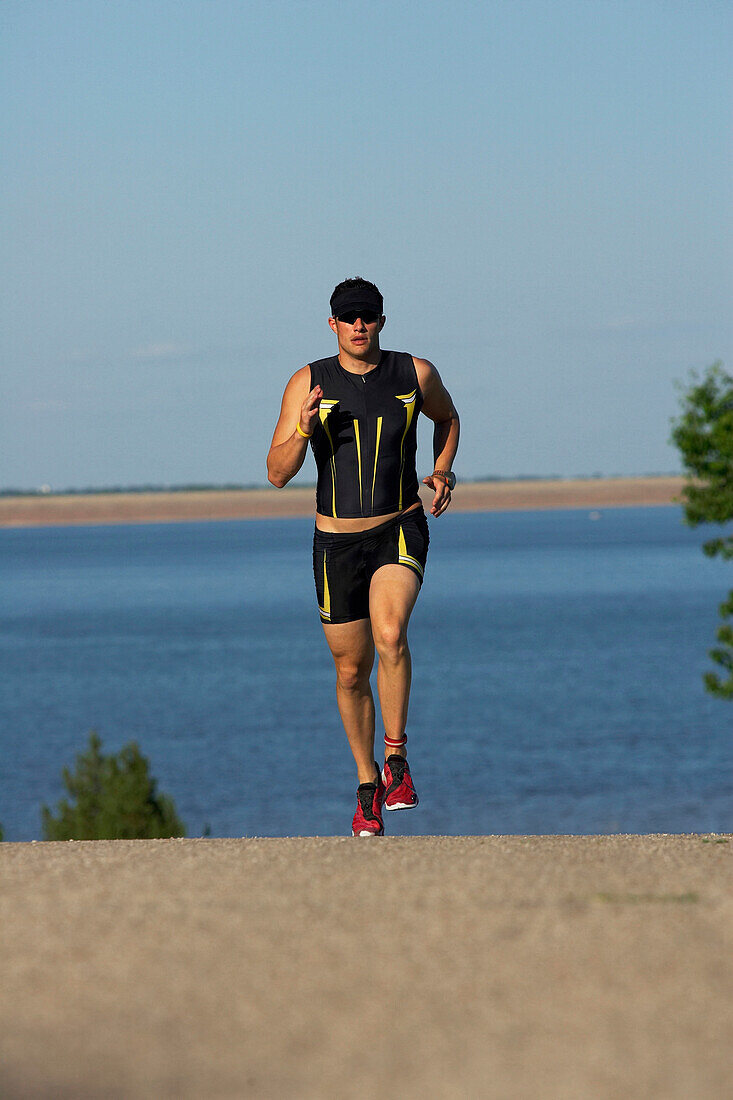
[
  {"x": 398, "y": 770},
  {"x": 366, "y": 799}
]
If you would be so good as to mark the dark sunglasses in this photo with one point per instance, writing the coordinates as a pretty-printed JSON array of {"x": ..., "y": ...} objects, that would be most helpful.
[{"x": 368, "y": 316}]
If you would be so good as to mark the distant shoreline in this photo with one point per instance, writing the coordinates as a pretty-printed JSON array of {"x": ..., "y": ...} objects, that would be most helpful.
[{"x": 223, "y": 504}]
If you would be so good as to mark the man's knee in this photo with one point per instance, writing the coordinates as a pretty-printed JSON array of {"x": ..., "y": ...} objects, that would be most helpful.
[
  {"x": 351, "y": 675},
  {"x": 391, "y": 641}
]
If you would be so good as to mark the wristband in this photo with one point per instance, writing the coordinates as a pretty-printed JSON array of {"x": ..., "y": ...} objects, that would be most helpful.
[
  {"x": 447, "y": 476},
  {"x": 305, "y": 435}
]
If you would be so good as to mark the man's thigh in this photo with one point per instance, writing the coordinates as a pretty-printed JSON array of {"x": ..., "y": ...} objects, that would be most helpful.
[
  {"x": 392, "y": 595},
  {"x": 351, "y": 643}
]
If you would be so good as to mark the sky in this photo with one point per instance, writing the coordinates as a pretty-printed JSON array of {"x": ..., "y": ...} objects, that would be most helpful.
[{"x": 541, "y": 190}]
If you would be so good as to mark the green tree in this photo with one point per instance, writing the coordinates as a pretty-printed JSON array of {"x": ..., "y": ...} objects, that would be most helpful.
[
  {"x": 115, "y": 799},
  {"x": 703, "y": 433}
]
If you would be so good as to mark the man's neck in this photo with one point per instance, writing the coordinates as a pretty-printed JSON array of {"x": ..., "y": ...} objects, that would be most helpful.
[{"x": 359, "y": 366}]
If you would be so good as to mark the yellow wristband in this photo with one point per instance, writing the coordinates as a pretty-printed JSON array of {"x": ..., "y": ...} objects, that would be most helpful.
[{"x": 306, "y": 435}]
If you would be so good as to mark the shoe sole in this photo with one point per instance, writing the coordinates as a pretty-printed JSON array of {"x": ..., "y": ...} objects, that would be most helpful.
[{"x": 366, "y": 832}]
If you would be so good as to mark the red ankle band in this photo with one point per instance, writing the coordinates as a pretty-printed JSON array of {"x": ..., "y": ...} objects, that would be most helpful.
[{"x": 393, "y": 744}]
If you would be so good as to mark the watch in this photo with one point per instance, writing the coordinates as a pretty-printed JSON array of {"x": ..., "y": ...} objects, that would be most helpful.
[{"x": 448, "y": 477}]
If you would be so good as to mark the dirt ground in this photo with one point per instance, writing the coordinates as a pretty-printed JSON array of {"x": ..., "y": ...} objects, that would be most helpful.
[
  {"x": 545, "y": 968},
  {"x": 162, "y": 507}
]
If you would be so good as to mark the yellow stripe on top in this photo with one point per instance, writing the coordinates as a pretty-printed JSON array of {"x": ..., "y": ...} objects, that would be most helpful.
[
  {"x": 323, "y": 410},
  {"x": 408, "y": 400},
  {"x": 376, "y": 455},
  {"x": 358, "y": 459},
  {"x": 407, "y": 559}
]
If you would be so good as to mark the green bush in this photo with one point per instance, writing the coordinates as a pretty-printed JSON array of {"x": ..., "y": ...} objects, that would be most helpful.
[
  {"x": 113, "y": 798},
  {"x": 703, "y": 434}
]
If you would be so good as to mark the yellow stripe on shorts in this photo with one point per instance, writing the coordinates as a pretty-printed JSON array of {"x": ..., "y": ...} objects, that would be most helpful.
[
  {"x": 326, "y": 609},
  {"x": 407, "y": 559}
]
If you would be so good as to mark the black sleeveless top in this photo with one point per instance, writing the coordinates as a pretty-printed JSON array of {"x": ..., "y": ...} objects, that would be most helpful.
[{"x": 365, "y": 440}]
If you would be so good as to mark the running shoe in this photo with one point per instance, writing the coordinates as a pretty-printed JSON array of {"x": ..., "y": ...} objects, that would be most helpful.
[
  {"x": 368, "y": 817},
  {"x": 400, "y": 793}
]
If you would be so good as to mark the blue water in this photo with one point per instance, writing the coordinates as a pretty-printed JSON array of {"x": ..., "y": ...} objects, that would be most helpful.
[{"x": 556, "y": 685}]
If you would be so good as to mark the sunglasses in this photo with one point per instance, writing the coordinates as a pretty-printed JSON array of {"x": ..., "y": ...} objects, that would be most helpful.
[{"x": 368, "y": 316}]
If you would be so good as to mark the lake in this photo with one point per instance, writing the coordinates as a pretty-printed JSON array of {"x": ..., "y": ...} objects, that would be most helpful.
[{"x": 557, "y": 674}]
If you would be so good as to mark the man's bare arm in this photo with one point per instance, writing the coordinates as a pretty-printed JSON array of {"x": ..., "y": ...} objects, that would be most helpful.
[
  {"x": 288, "y": 447},
  {"x": 438, "y": 406}
]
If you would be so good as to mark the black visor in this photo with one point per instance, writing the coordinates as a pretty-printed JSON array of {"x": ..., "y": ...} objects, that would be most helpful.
[{"x": 356, "y": 299}]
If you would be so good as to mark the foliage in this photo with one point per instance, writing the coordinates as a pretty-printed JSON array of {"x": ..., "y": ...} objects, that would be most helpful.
[
  {"x": 703, "y": 433},
  {"x": 115, "y": 799}
]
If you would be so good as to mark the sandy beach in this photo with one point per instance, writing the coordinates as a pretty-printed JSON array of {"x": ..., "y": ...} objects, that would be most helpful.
[
  {"x": 561, "y": 968},
  {"x": 475, "y": 496}
]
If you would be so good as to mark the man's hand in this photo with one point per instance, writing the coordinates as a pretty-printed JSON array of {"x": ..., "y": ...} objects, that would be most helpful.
[
  {"x": 442, "y": 497},
  {"x": 309, "y": 410}
]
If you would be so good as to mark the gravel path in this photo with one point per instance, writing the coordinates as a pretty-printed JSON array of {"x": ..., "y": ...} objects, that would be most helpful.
[{"x": 433, "y": 967}]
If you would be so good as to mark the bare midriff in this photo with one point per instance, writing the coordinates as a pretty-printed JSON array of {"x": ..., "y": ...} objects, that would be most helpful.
[{"x": 353, "y": 526}]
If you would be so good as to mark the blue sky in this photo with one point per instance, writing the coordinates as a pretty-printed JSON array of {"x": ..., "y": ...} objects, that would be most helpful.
[{"x": 542, "y": 190}]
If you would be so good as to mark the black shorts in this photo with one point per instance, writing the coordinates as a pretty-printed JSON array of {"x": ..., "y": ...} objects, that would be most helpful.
[{"x": 343, "y": 565}]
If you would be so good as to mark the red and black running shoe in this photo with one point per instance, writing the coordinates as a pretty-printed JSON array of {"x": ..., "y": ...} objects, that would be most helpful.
[
  {"x": 368, "y": 817},
  {"x": 400, "y": 793}
]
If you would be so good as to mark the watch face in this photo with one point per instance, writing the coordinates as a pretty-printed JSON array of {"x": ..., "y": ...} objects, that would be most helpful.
[{"x": 451, "y": 481}]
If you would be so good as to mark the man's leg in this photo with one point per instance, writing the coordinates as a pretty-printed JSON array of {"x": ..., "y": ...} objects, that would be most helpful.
[
  {"x": 392, "y": 595},
  {"x": 352, "y": 649}
]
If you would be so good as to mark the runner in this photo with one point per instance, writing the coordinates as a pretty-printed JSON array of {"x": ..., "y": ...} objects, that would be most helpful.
[{"x": 359, "y": 411}]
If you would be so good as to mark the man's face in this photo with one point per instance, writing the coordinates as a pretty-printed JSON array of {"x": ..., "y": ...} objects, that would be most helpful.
[{"x": 358, "y": 336}]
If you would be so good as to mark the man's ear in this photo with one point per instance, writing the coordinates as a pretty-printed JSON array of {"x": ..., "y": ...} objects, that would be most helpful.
[
  {"x": 332, "y": 323},
  {"x": 382, "y": 322}
]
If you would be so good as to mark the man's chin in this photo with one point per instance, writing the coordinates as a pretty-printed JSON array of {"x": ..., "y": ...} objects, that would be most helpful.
[{"x": 359, "y": 351}]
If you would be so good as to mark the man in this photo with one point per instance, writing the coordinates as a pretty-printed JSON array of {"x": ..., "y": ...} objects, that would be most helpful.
[{"x": 359, "y": 411}]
